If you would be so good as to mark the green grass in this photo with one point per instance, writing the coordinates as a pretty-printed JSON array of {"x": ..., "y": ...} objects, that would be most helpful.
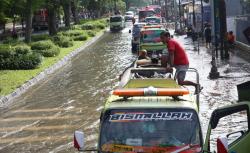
[{"x": 12, "y": 79}]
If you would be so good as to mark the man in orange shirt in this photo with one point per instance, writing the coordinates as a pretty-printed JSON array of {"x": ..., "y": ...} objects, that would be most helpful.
[
  {"x": 178, "y": 59},
  {"x": 230, "y": 38}
]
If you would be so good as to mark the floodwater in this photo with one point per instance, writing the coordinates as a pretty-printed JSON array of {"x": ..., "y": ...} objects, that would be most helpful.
[{"x": 45, "y": 117}]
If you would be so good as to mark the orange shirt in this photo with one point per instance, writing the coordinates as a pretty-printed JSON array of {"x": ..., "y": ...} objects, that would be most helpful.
[{"x": 231, "y": 38}]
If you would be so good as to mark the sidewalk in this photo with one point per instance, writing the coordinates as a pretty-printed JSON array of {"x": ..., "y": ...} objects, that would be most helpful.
[
  {"x": 218, "y": 92},
  {"x": 242, "y": 46},
  {"x": 240, "y": 50}
]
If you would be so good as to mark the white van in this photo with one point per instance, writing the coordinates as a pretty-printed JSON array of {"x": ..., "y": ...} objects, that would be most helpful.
[{"x": 117, "y": 23}]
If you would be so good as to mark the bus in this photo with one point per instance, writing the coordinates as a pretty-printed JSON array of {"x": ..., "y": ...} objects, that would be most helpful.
[
  {"x": 40, "y": 19},
  {"x": 157, "y": 9},
  {"x": 145, "y": 12}
]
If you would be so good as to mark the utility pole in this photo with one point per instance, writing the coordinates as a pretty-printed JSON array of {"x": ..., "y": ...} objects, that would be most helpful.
[
  {"x": 115, "y": 6},
  {"x": 202, "y": 19},
  {"x": 175, "y": 14},
  {"x": 194, "y": 19},
  {"x": 127, "y": 7},
  {"x": 214, "y": 74},
  {"x": 223, "y": 29},
  {"x": 166, "y": 9},
  {"x": 180, "y": 15}
]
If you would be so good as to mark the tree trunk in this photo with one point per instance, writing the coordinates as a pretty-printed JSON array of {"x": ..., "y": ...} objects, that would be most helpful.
[
  {"x": 4, "y": 27},
  {"x": 22, "y": 22},
  {"x": 75, "y": 12},
  {"x": 67, "y": 10},
  {"x": 28, "y": 20},
  {"x": 52, "y": 21},
  {"x": 14, "y": 32}
]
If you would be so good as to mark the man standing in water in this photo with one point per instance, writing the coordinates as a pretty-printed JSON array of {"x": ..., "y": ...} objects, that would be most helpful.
[{"x": 178, "y": 59}]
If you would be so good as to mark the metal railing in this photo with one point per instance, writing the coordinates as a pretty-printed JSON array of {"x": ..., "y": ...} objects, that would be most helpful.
[{"x": 197, "y": 81}]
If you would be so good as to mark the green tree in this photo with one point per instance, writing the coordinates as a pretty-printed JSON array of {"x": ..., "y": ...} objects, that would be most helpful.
[
  {"x": 137, "y": 3},
  {"x": 15, "y": 11},
  {"x": 121, "y": 5}
]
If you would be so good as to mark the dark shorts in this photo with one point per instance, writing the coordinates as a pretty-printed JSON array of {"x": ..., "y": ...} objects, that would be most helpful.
[
  {"x": 181, "y": 72},
  {"x": 208, "y": 39}
]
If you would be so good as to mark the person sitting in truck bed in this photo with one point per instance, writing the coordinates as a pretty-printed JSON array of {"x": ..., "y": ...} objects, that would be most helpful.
[{"x": 143, "y": 55}]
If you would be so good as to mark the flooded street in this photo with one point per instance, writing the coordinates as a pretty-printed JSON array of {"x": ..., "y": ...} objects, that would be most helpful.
[{"x": 45, "y": 117}]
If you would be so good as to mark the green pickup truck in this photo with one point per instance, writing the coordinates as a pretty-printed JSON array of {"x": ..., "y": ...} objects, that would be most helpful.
[
  {"x": 151, "y": 41},
  {"x": 141, "y": 116}
]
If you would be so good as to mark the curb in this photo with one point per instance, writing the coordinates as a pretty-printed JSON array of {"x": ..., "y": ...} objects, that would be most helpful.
[
  {"x": 243, "y": 46},
  {"x": 6, "y": 100}
]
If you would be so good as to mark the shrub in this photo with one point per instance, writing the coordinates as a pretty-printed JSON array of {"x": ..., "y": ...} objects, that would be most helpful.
[
  {"x": 6, "y": 51},
  {"x": 81, "y": 38},
  {"x": 51, "y": 52},
  {"x": 22, "y": 49},
  {"x": 42, "y": 45},
  {"x": 29, "y": 61},
  {"x": 100, "y": 25},
  {"x": 63, "y": 28},
  {"x": 19, "y": 57},
  {"x": 76, "y": 35},
  {"x": 40, "y": 37},
  {"x": 63, "y": 41},
  {"x": 88, "y": 27},
  {"x": 10, "y": 40},
  {"x": 91, "y": 33},
  {"x": 54, "y": 51},
  {"x": 72, "y": 33},
  {"x": 104, "y": 20},
  {"x": 76, "y": 27},
  {"x": 45, "y": 48}
]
